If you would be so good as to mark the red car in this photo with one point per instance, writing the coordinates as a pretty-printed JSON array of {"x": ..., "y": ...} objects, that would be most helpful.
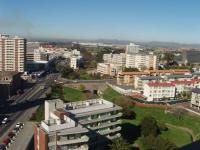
[{"x": 6, "y": 141}]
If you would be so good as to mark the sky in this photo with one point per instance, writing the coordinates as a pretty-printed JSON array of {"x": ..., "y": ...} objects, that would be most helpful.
[{"x": 135, "y": 20}]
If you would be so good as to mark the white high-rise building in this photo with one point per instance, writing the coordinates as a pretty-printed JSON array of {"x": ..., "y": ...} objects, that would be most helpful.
[
  {"x": 141, "y": 61},
  {"x": 132, "y": 48},
  {"x": 115, "y": 58},
  {"x": 12, "y": 53}
]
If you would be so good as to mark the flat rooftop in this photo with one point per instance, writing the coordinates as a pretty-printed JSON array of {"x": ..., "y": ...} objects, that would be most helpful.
[{"x": 88, "y": 106}]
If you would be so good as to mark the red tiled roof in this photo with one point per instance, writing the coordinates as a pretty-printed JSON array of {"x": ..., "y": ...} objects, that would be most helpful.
[
  {"x": 186, "y": 81},
  {"x": 162, "y": 84},
  {"x": 146, "y": 72}
]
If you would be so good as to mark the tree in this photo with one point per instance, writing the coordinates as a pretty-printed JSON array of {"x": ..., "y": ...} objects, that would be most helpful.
[
  {"x": 130, "y": 70},
  {"x": 125, "y": 103},
  {"x": 157, "y": 143},
  {"x": 169, "y": 57},
  {"x": 119, "y": 144},
  {"x": 149, "y": 126},
  {"x": 82, "y": 87}
]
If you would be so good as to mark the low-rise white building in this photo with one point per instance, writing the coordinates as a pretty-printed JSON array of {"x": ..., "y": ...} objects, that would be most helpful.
[
  {"x": 195, "y": 99},
  {"x": 186, "y": 85},
  {"x": 155, "y": 91},
  {"x": 140, "y": 81},
  {"x": 108, "y": 69}
]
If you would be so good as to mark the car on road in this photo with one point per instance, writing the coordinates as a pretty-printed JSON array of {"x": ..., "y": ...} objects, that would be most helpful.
[{"x": 5, "y": 120}]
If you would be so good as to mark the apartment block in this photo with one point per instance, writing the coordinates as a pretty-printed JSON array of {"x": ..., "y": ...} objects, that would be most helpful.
[
  {"x": 128, "y": 78},
  {"x": 108, "y": 69},
  {"x": 33, "y": 51},
  {"x": 12, "y": 53},
  {"x": 115, "y": 58},
  {"x": 156, "y": 91},
  {"x": 75, "y": 61},
  {"x": 79, "y": 125},
  {"x": 140, "y": 81},
  {"x": 186, "y": 85},
  {"x": 141, "y": 61},
  {"x": 195, "y": 99},
  {"x": 132, "y": 48}
]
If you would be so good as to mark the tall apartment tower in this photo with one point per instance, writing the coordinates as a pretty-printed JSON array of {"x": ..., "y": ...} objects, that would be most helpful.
[
  {"x": 132, "y": 48},
  {"x": 12, "y": 53}
]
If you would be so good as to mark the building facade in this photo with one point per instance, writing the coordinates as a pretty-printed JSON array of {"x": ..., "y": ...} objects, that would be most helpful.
[
  {"x": 108, "y": 69},
  {"x": 132, "y": 48},
  {"x": 78, "y": 125},
  {"x": 10, "y": 82},
  {"x": 195, "y": 99},
  {"x": 141, "y": 61},
  {"x": 115, "y": 58},
  {"x": 12, "y": 53},
  {"x": 156, "y": 91}
]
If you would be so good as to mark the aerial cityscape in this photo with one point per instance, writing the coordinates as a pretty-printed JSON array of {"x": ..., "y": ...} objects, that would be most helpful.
[{"x": 100, "y": 75}]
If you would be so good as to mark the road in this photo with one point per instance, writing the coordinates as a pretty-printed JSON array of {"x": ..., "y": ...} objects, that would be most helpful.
[{"x": 30, "y": 98}]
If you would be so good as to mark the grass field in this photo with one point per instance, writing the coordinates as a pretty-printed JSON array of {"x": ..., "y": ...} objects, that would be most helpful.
[
  {"x": 178, "y": 136},
  {"x": 110, "y": 94},
  {"x": 72, "y": 94}
]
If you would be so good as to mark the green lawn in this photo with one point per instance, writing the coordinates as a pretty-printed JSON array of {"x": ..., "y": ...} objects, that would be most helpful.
[
  {"x": 178, "y": 136},
  {"x": 110, "y": 94},
  {"x": 72, "y": 94}
]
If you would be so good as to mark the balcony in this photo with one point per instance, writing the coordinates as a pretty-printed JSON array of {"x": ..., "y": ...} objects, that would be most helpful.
[
  {"x": 101, "y": 118},
  {"x": 67, "y": 141},
  {"x": 114, "y": 137},
  {"x": 110, "y": 130},
  {"x": 106, "y": 125}
]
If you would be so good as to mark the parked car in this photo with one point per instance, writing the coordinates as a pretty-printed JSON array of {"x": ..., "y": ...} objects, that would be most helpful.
[
  {"x": 11, "y": 135},
  {"x": 6, "y": 142},
  {"x": 19, "y": 125},
  {"x": 2, "y": 147}
]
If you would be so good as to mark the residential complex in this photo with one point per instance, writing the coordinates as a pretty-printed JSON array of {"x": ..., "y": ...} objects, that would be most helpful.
[
  {"x": 33, "y": 52},
  {"x": 195, "y": 99},
  {"x": 12, "y": 53},
  {"x": 128, "y": 78},
  {"x": 132, "y": 48},
  {"x": 141, "y": 61},
  {"x": 78, "y": 125},
  {"x": 115, "y": 58},
  {"x": 140, "y": 81},
  {"x": 155, "y": 91},
  {"x": 108, "y": 69},
  {"x": 131, "y": 59}
]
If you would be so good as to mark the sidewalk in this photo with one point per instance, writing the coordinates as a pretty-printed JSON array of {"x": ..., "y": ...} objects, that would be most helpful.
[{"x": 24, "y": 137}]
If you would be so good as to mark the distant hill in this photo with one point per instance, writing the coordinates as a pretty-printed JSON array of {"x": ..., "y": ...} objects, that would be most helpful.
[{"x": 152, "y": 44}]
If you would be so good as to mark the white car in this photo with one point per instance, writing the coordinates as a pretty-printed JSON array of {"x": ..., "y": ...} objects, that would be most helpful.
[
  {"x": 19, "y": 125},
  {"x": 5, "y": 120}
]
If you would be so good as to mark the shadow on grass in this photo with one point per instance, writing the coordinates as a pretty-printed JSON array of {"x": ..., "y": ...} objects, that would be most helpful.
[{"x": 130, "y": 132}]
